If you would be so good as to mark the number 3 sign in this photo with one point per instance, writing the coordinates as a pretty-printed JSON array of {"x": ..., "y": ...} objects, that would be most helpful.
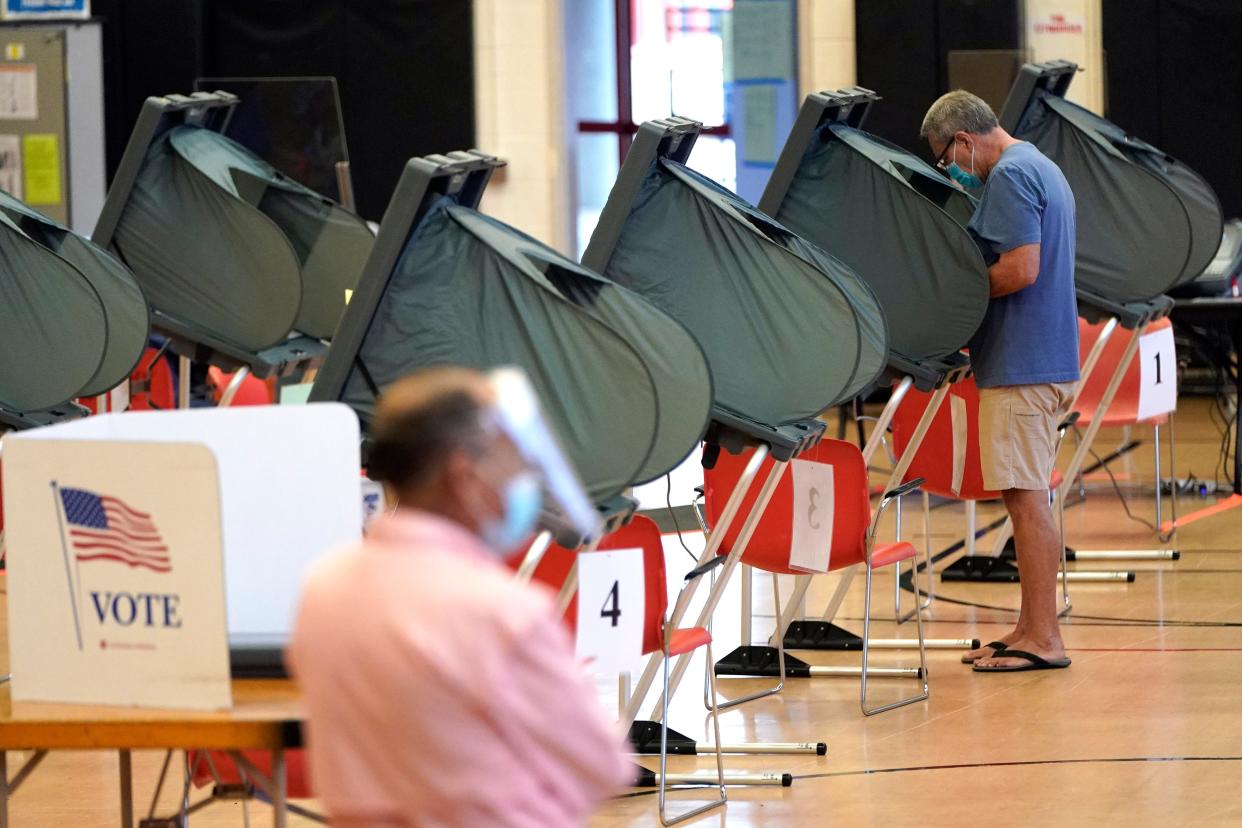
[
  {"x": 813, "y": 507},
  {"x": 1158, "y": 374},
  {"x": 611, "y": 605}
]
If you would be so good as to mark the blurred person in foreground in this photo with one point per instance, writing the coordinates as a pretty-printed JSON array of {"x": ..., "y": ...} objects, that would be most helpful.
[{"x": 440, "y": 690}]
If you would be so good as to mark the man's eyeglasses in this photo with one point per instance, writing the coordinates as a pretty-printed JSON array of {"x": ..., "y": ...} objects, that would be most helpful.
[{"x": 942, "y": 162}]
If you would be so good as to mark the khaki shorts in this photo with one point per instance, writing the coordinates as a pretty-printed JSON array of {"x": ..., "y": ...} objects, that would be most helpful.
[{"x": 1018, "y": 433}]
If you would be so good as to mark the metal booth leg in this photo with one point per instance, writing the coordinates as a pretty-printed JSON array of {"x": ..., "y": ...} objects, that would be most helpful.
[
  {"x": 714, "y": 539},
  {"x": 183, "y": 382},
  {"x": 235, "y": 384},
  {"x": 731, "y": 562}
]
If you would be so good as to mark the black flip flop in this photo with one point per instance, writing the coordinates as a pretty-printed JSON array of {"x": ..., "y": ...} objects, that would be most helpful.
[
  {"x": 1035, "y": 663},
  {"x": 995, "y": 647}
]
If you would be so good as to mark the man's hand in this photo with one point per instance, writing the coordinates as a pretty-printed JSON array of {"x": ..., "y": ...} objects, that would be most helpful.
[{"x": 1016, "y": 269}]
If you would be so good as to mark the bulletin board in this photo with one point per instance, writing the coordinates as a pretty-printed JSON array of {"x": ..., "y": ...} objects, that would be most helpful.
[{"x": 33, "y": 127}]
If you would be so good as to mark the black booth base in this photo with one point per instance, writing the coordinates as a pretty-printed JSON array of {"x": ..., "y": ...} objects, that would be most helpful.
[
  {"x": 820, "y": 635},
  {"x": 824, "y": 635},
  {"x": 981, "y": 568},
  {"x": 761, "y": 662},
  {"x": 645, "y": 739}
]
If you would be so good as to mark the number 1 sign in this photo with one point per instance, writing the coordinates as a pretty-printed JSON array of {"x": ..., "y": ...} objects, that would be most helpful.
[
  {"x": 611, "y": 605},
  {"x": 1158, "y": 374}
]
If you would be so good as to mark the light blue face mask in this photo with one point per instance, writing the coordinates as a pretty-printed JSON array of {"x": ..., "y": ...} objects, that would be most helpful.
[
  {"x": 967, "y": 179},
  {"x": 523, "y": 500}
]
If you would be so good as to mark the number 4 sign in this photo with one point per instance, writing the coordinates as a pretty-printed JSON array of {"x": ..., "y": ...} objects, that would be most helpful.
[
  {"x": 1157, "y": 373},
  {"x": 611, "y": 605}
]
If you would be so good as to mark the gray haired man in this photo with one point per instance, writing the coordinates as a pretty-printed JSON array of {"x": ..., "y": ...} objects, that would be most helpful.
[{"x": 1025, "y": 354}]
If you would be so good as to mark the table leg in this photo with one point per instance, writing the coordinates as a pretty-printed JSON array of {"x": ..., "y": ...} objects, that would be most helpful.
[
  {"x": 280, "y": 789},
  {"x": 127, "y": 790},
  {"x": 1235, "y": 329},
  {"x": 4, "y": 789}
]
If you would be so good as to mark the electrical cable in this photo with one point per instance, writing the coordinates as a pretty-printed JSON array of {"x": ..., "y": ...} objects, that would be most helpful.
[{"x": 668, "y": 502}]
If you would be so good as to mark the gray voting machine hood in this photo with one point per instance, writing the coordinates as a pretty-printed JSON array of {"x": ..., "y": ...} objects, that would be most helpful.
[
  {"x": 788, "y": 330},
  {"x": 624, "y": 386},
  {"x": 242, "y": 265},
  {"x": 897, "y": 222},
  {"x": 1146, "y": 222},
  {"x": 73, "y": 321}
]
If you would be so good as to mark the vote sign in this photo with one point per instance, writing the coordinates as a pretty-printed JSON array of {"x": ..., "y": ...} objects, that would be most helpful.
[
  {"x": 1157, "y": 373},
  {"x": 813, "y": 508},
  {"x": 611, "y": 608},
  {"x": 115, "y": 573}
]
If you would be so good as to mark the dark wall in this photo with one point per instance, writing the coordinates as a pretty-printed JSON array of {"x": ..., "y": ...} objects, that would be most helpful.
[
  {"x": 405, "y": 68},
  {"x": 903, "y": 51},
  {"x": 1174, "y": 68},
  {"x": 151, "y": 47}
]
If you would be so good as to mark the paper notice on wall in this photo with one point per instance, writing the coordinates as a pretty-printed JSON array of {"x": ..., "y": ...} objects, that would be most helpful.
[
  {"x": 41, "y": 153},
  {"x": 759, "y": 124},
  {"x": 11, "y": 165},
  {"x": 19, "y": 88},
  {"x": 763, "y": 39}
]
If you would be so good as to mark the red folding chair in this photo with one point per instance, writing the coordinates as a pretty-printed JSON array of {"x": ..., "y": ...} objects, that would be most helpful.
[
  {"x": 853, "y": 542},
  {"x": 152, "y": 387},
  {"x": 237, "y": 388},
  {"x": 1124, "y": 410},
  {"x": 934, "y": 464}
]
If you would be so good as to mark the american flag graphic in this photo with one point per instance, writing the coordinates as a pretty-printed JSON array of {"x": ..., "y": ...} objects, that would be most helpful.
[{"x": 105, "y": 528}]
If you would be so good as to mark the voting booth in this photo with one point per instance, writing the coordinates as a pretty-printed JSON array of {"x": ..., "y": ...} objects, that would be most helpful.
[
  {"x": 894, "y": 219},
  {"x": 624, "y": 386},
  {"x": 901, "y": 226},
  {"x": 1146, "y": 222},
  {"x": 73, "y": 320},
  {"x": 788, "y": 329},
  {"x": 149, "y": 553},
  {"x": 244, "y": 267}
]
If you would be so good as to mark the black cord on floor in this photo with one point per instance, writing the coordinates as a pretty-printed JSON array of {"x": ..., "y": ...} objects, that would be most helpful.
[{"x": 1125, "y": 503}]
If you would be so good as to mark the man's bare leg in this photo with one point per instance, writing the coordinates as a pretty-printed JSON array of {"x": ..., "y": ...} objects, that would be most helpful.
[
  {"x": 1014, "y": 635},
  {"x": 1039, "y": 557}
]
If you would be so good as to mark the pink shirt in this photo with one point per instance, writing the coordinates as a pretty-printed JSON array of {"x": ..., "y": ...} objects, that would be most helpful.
[{"x": 442, "y": 692}]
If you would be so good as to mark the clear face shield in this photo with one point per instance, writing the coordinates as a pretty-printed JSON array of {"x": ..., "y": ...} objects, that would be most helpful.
[{"x": 567, "y": 512}]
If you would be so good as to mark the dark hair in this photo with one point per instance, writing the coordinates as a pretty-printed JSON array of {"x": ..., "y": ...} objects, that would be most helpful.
[{"x": 408, "y": 448}]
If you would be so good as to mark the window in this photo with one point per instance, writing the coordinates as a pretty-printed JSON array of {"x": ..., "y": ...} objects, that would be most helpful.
[{"x": 631, "y": 61}]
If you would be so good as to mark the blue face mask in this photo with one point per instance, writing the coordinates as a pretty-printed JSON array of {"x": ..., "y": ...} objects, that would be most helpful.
[
  {"x": 967, "y": 179},
  {"x": 522, "y": 501}
]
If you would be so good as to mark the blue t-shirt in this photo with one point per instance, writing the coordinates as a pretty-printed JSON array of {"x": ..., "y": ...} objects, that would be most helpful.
[{"x": 1030, "y": 336}]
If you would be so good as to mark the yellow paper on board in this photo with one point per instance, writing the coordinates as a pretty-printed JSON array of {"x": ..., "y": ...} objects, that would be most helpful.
[{"x": 41, "y": 154}]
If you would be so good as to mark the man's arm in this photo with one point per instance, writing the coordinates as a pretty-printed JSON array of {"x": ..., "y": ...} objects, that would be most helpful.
[
  {"x": 550, "y": 713},
  {"x": 1016, "y": 269}
]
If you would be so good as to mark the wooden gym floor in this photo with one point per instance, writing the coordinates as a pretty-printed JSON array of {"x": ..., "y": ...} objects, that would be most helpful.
[{"x": 1145, "y": 728}]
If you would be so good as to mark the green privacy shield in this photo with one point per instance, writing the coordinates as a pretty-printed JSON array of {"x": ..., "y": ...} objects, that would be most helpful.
[
  {"x": 53, "y": 325},
  {"x": 901, "y": 227},
  {"x": 625, "y": 388},
  {"x": 222, "y": 242},
  {"x": 1146, "y": 222},
  {"x": 125, "y": 306},
  {"x": 788, "y": 330}
]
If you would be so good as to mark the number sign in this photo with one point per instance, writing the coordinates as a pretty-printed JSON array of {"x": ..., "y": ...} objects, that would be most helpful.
[
  {"x": 611, "y": 605},
  {"x": 813, "y": 508},
  {"x": 1158, "y": 374}
]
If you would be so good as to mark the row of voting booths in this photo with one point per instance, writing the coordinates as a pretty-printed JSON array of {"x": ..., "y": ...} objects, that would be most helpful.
[{"x": 694, "y": 318}]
